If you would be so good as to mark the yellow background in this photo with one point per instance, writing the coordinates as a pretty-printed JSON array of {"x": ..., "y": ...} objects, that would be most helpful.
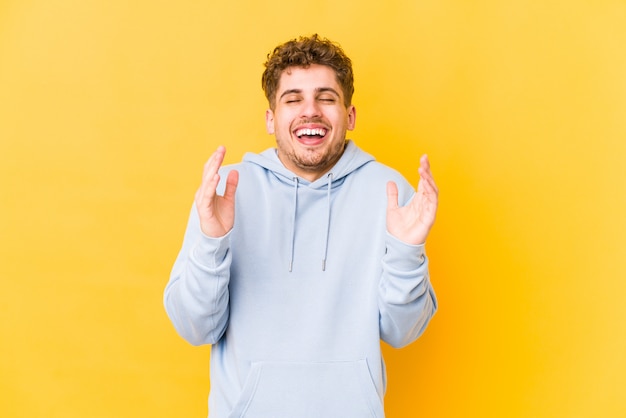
[{"x": 108, "y": 110}]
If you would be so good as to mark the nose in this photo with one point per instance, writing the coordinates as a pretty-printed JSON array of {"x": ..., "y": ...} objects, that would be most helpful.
[{"x": 310, "y": 109}]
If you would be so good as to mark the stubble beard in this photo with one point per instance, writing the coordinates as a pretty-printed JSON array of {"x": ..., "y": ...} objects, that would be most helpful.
[{"x": 316, "y": 161}]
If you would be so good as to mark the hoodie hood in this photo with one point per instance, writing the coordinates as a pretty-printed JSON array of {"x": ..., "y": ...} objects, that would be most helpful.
[{"x": 351, "y": 160}]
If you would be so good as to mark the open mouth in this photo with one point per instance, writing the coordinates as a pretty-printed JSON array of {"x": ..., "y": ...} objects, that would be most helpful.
[{"x": 310, "y": 135}]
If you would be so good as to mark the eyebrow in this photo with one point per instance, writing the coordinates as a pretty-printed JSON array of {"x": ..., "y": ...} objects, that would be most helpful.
[{"x": 317, "y": 90}]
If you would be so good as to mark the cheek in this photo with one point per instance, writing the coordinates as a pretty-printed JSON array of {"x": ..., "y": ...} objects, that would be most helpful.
[
  {"x": 281, "y": 128},
  {"x": 284, "y": 124}
]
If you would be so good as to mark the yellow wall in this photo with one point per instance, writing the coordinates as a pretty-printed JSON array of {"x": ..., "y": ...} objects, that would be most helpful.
[{"x": 109, "y": 108}]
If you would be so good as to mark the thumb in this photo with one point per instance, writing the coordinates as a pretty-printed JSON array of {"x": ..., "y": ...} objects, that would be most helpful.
[
  {"x": 392, "y": 195},
  {"x": 231, "y": 184}
]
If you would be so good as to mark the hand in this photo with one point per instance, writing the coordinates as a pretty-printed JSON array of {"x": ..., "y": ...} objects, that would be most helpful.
[
  {"x": 217, "y": 213},
  {"x": 412, "y": 223}
]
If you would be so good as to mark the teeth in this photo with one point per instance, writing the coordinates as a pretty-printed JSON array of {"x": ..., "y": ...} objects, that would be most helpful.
[{"x": 309, "y": 132}]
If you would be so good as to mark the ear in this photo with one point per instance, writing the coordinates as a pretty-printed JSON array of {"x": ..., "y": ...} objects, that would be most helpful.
[
  {"x": 269, "y": 121},
  {"x": 351, "y": 117}
]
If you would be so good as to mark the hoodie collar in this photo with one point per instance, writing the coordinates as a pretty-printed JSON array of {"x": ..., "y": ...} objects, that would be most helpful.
[{"x": 351, "y": 159}]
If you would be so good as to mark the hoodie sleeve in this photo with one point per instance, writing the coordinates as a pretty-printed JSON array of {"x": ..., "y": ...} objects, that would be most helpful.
[
  {"x": 196, "y": 297},
  {"x": 406, "y": 298}
]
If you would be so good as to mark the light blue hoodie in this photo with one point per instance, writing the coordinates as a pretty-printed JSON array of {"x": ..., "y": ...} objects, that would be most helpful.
[{"x": 297, "y": 296}]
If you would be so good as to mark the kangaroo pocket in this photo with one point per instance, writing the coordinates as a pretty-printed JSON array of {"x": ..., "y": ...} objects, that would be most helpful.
[{"x": 309, "y": 390}]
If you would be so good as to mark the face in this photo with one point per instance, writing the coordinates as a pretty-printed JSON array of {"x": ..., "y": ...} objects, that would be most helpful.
[{"x": 310, "y": 120}]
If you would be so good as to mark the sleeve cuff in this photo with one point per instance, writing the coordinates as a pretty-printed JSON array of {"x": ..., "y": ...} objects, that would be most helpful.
[
  {"x": 404, "y": 256},
  {"x": 211, "y": 252}
]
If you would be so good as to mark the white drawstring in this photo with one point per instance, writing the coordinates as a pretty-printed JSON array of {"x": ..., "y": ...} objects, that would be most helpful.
[{"x": 330, "y": 184}]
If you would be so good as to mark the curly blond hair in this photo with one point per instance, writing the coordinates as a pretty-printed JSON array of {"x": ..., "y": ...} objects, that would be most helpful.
[{"x": 303, "y": 52}]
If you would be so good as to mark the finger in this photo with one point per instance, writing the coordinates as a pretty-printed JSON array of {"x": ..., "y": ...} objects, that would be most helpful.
[
  {"x": 206, "y": 192},
  {"x": 214, "y": 163},
  {"x": 424, "y": 168},
  {"x": 426, "y": 177},
  {"x": 210, "y": 178},
  {"x": 392, "y": 195},
  {"x": 425, "y": 162},
  {"x": 427, "y": 187},
  {"x": 231, "y": 185}
]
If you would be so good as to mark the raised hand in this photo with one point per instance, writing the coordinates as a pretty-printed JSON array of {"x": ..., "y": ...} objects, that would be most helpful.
[
  {"x": 412, "y": 223},
  {"x": 217, "y": 213}
]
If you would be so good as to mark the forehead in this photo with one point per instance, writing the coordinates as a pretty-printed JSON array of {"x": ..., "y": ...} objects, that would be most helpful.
[{"x": 312, "y": 77}]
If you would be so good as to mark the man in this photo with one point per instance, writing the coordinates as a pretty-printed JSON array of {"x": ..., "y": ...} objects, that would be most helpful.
[{"x": 294, "y": 265}]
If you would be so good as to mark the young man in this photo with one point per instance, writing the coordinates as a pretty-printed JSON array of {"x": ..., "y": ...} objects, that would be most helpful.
[{"x": 297, "y": 261}]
